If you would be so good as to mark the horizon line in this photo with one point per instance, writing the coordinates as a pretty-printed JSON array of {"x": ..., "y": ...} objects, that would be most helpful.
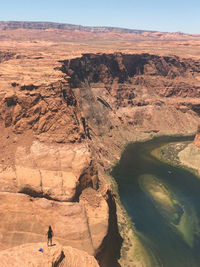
[{"x": 86, "y": 26}]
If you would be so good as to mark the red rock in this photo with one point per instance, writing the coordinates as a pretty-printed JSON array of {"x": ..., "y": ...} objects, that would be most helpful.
[
  {"x": 81, "y": 225},
  {"x": 29, "y": 255},
  {"x": 57, "y": 171}
]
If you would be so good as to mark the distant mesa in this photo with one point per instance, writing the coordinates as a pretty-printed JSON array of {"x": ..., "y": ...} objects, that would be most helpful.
[
  {"x": 13, "y": 25},
  {"x": 65, "y": 32}
]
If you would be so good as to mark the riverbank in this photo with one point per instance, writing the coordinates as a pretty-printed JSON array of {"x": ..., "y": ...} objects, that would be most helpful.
[
  {"x": 182, "y": 154},
  {"x": 133, "y": 252},
  {"x": 155, "y": 196},
  {"x": 190, "y": 156}
]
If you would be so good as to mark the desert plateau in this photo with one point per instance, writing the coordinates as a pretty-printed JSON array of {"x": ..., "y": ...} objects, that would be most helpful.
[{"x": 72, "y": 99}]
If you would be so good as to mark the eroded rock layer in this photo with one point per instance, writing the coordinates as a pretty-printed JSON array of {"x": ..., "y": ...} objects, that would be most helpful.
[
  {"x": 64, "y": 122},
  {"x": 81, "y": 225},
  {"x": 57, "y": 172},
  {"x": 39, "y": 255},
  {"x": 129, "y": 97},
  {"x": 148, "y": 92}
]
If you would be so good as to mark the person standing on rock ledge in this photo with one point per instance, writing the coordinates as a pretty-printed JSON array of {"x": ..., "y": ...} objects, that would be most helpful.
[{"x": 49, "y": 236}]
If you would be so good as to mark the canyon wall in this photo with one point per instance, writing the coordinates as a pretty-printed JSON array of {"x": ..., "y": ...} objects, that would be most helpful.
[
  {"x": 130, "y": 97},
  {"x": 147, "y": 92},
  {"x": 127, "y": 98},
  {"x": 38, "y": 254},
  {"x": 48, "y": 171},
  {"x": 63, "y": 123}
]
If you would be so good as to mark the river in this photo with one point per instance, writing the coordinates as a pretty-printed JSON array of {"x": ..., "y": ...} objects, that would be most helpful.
[{"x": 163, "y": 201}]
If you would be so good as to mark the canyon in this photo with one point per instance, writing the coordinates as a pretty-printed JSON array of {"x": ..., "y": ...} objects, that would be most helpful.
[{"x": 67, "y": 111}]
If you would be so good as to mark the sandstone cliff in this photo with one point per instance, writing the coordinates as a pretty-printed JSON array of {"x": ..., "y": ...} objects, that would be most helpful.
[
  {"x": 128, "y": 97},
  {"x": 120, "y": 89},
  {"x": 36, "y": 121},
  {"x": 45, "y": 154},
  {"x": 82, "y": 225},
  {"x": 64, "y": 122},
  {"x": 30, "y": 255},
  {"x": 133, "y": 97}
]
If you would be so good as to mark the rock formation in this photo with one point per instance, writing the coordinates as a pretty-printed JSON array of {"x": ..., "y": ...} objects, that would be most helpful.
[
  {"x": 197, "y": 137},
  {"x": 81, "y": 225},
  {"x": 63, "y": 122},
  {"x": 145, "y": 92},
  {"x": 32, "y": 255},
  {"x": 58, "y": 172},
  {"x": 65, "y": 32},
  {"x": 51, "y": 165}
]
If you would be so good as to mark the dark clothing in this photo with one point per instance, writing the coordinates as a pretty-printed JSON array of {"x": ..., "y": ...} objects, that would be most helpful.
[{"x": 50, "y": 234}]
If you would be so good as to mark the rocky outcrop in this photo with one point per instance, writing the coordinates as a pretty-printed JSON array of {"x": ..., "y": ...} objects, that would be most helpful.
[
  {"x": 80, "y": 225},
  {"x": 119, "y": 91},
  {"x": 51, "y": 111},
  {"x": 36, "y": 121},
  {"x": 4, "y": 56},
  {"x": 197, "y": 137},
  {"x": 64, "y": 123},
  {"x": 59, "y": 172},
  {"x": 31, "y": 255},
  {"x": 137, "y": 69},
  {"x": 45, "y": 156}
]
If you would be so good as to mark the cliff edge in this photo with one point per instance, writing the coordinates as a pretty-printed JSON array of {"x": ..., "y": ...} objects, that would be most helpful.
[{"x": 64, "y": 122}]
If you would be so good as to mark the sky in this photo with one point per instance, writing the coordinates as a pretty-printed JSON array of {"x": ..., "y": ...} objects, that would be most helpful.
[{"x": 159, "y": 15}]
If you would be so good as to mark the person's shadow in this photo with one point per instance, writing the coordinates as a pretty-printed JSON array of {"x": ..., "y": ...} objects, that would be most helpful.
[{"x": 52, "y": 245}]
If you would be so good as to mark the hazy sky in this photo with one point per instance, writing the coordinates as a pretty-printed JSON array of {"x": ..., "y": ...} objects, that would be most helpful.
[{"x": 161, "y": 15}]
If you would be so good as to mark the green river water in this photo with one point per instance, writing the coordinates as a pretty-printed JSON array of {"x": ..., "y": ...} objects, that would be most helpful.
[{"x": 163, "y": 202}]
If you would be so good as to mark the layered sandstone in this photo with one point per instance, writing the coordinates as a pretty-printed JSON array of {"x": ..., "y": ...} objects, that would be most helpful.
[
  {"x": 24, "y": 30},
  {"x": 64, "y": 121},
  {"x": 39, "y": 124},
  {"x": 57, "y": 172},
  {"x": 45, "y": 154},
  {"x": 80, "y": 225},
  {"x": 135, "y": 95},
  {"x": 30, "y": 255}
]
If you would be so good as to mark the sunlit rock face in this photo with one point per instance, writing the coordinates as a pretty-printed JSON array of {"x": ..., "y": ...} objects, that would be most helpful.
[
  {"x": 144, "y": 92},
  {"x": 40, "y": 255},
  {"x": 64, "y": 121},
  {"x": 80, "y": 225},
  {"x": 55, "y": 171},
  {"x": 197, "y": 137}
]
